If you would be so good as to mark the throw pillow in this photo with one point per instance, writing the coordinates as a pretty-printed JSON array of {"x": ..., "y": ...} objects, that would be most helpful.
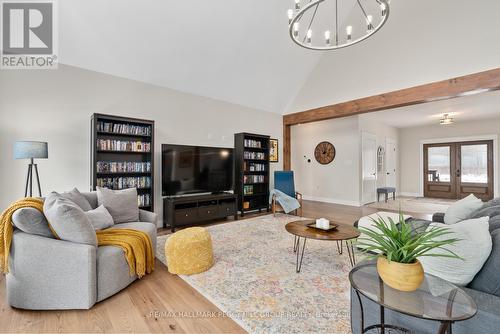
[
  {"x": 75, "y": 196},
  {"x": 100, "y": 218},
  {"x": 68, "y": 220},
  {"x": 121, "y": 204},
  {"x": 474, "y": 247},
  {"x": 462, "y": 209},
  {"x": 32, "y": 221},
  {"x": 488, "y": 279}
]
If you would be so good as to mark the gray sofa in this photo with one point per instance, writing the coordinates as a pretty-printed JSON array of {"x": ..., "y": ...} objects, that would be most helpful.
[
  {"x": 484, "y": 289},
  {"x": 46, "y": 273}
]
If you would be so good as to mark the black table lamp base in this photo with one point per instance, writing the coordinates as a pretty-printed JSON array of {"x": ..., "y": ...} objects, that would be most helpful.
[{"x": 29, "y": 180}]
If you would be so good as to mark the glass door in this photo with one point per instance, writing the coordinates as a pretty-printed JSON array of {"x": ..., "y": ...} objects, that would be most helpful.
[
  {"x": 475, "y": 172},
  {"x": 455, "y": 170},
  {"x": 439, "y": 163}
]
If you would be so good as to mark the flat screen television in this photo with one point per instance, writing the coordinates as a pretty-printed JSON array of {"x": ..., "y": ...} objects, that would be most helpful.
[{"x": 196, "y": 169}]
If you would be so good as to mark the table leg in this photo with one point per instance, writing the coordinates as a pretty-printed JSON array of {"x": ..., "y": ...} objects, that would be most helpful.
[
  {"x": 298, "y": 265},
  {"x": 445, "y": 327},
  {"x": 340, "y": 247},
  {"x": 350, "y": 252},
  {"x": 294, "y": 243},
  {"x": 382, "y": 319}
]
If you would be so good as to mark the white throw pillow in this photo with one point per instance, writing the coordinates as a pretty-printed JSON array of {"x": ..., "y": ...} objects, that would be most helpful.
[
  {"x": 474, "y": 247},
  {"x": 462, "y": 209}
]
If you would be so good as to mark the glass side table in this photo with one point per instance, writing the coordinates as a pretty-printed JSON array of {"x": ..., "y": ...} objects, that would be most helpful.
[{"x": 436, "y": 299}]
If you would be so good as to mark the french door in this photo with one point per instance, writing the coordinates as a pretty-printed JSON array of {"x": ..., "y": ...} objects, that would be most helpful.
[{"x": 455, "y": 170}]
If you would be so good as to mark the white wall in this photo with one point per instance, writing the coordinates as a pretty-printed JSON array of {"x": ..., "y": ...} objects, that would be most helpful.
[
  {"x": 410, "y": 146},
  {"x": 337, "y": 182},
  {"x": 55, "y": 106},
  {"x": 423, "y": 41}
]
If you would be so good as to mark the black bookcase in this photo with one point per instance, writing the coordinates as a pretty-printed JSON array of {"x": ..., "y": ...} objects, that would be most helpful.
[
  {"x": 251, "y": 171},
  {"x": 122, "y": 155}
]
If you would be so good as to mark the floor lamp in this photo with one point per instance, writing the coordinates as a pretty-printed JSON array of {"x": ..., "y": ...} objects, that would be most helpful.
[{"x": 31, "y": 150}]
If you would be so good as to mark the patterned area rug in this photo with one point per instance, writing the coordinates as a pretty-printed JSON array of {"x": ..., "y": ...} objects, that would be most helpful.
[
  {"x": 255, "y": 282},
  {"x": 414, "y": 205}
]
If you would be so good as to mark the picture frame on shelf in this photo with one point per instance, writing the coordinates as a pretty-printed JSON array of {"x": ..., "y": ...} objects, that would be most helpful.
[{"x": 273, "y": 150}]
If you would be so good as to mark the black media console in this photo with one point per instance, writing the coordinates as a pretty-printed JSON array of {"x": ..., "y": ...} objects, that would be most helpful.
[{"x": 193, "y": 210}]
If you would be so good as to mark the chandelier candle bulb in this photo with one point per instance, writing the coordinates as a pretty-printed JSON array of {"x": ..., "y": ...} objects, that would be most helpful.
[
  {"x": 327, "y": 37},
  {"x": 290, "y": 15},
  {"x": 297, "y": 5},
  {"x": 309, "y": 36},
  {"x": 369, "y": 25},
  {"x": 383, "y": 8},
  {"x": 296, "y": 29},
  {"x": 348, "y": 31}
]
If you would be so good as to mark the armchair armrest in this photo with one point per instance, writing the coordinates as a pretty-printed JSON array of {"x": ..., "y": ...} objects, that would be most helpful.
[
  {"x": 47, "y": 273},
  {"x": 148, "y": 216},
  {"x": 438, "y": 217}
]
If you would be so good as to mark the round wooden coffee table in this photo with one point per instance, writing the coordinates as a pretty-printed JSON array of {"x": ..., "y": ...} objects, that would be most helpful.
[{"x": 343, "y": 233}]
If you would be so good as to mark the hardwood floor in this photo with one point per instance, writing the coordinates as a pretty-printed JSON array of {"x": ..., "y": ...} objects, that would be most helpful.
[{"x": 158, "y": 303}]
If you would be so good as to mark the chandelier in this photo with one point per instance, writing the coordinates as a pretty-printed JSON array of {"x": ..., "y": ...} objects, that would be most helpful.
[{"x": 319, "y": 24}]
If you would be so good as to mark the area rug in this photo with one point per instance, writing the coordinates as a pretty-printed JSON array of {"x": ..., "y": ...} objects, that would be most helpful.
[
  {"x": 414, "y": 205},
  {"x": 255, "y": 283}
]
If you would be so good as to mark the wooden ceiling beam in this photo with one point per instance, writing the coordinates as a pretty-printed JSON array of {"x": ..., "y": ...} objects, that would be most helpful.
[{"x": 441, "y": 90}]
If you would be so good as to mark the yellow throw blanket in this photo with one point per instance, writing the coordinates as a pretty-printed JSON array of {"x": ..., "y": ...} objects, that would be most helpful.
[{"x": 136, "y": 245}]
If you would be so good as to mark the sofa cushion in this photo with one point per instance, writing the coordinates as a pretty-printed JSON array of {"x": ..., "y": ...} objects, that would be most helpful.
[
  {"x": 100, "y": 218},
  {"x": 121, "y": 204},
  {"x": 32, "y": 221},
  {"x": 112, "y": 268},
  {"x": 486, "y": 210},
  {"x": 113, "y": 272},
  {"x": 92, "y": 198},
  {"x": 77, "y": 198},
  {"x": 488, "y": 279},
  {"x": 68, "y": 220},
  {"x": 494, "y": 223},
  {"x": 474, "y": 247},
  {"x": 462, "y": 209}
]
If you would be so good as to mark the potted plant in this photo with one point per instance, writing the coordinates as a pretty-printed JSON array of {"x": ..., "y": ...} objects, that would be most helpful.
[{"x": 397, "y": 249}]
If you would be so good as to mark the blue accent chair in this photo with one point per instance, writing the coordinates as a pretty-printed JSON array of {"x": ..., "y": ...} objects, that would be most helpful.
[{"x": 284, "y": 182}]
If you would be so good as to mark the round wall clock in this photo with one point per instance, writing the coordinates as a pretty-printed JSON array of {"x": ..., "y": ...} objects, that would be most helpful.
[{"x": 324, "y": 152}]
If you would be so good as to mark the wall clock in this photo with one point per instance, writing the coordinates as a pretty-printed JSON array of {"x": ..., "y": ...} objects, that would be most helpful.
[{"x": 324, "y": 152}]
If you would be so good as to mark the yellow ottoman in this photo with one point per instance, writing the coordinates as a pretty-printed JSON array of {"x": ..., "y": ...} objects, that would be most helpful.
[{"x": 189, "y": 251}]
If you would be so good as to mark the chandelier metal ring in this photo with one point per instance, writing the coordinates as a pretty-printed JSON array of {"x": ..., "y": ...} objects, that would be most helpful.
[{"x": 295, "y": 17}]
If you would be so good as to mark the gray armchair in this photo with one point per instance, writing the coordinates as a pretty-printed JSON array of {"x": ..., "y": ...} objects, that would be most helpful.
[{"x": 49, "y": 274}]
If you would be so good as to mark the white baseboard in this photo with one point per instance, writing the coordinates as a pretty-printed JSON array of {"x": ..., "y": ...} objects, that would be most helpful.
[
  {"x": 409, "y": 194},
  {"x": 331, "y": 200}
]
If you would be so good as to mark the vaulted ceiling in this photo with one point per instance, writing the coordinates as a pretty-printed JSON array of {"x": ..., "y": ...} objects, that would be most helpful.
[{"x": 239, "y": 50}]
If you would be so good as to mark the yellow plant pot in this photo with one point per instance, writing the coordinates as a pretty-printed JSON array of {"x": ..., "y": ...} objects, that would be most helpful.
[{"x": 400, "y": 276}]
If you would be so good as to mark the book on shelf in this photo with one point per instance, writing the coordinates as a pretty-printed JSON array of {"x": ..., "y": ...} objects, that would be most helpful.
[
  {"x": 254, "y": 179},
  {"x": 123, "y": 167},
  {"x": 144, "y": 200},
  {"x": 251, "y": 143},
  {"x": 124, "y": 182},
  {"x": 248, "y": 190},
  {"x": 254, "y": 155},
  {"x": 126, "y": 129},
  {"x": 253, "y": 167},
  {"x": 123, "y": 145}
]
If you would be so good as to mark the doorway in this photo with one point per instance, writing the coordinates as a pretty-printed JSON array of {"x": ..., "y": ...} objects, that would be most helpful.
[
  {"x": 369, "y": 167},
  {"x": 455, "y": 170}
]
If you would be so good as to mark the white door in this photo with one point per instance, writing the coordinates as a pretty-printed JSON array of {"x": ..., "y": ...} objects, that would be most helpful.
[
  {"x": 369, "y": 163},
  {"x": 390, "y": 162}
]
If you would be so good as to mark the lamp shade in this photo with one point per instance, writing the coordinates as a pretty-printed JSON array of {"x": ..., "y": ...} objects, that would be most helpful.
[{"x": 31, "y": 149}]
